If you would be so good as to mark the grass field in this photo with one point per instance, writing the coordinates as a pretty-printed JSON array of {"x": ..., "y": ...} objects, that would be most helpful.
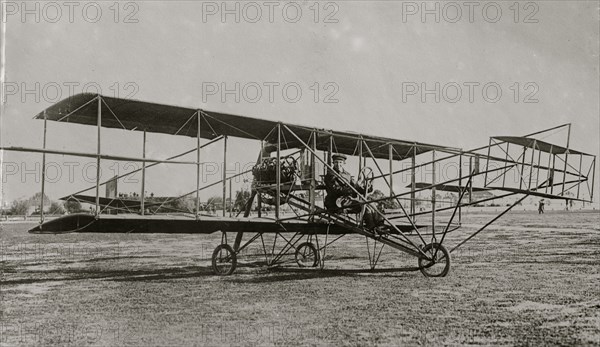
[{"x": 529, "y": 280}]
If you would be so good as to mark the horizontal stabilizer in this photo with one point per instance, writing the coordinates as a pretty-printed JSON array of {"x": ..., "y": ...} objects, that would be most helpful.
[{"x": 539, "y": 145}]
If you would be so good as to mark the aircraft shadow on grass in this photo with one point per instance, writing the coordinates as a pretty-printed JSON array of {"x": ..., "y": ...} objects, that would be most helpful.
[
  {"x": 273, "y": 274},
  {"x": 281, "y": 274}
]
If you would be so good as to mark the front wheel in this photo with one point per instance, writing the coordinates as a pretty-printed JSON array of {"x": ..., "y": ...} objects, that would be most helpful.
[
  {"x": 438, "y": 263},
  {"x": 307, "y": 255},
  {"x": 224, "y": 260}
]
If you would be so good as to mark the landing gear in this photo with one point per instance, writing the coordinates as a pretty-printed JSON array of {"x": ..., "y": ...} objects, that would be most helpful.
[
  {"x": 307, "y": 255},
  {"x": 438, "y": 263},
  {"x": 224, "y": 260}
]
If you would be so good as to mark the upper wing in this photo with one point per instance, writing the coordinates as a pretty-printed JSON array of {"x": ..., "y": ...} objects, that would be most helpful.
[{"x": 131, "y": 114}]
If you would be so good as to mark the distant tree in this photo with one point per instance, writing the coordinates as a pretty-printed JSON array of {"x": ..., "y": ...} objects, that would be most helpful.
[
  {"x": 181, "y": 204},
  {"x": 177, "y": 204},
  {"x": 19, "y": 207},
  {"x": 72, "y": 206},
  {"x": 35, "y": 200},
  {"x": 56, "y": 208},
  {"x": 215, "y": 201}
]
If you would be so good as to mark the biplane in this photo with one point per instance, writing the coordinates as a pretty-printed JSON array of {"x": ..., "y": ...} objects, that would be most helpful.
[{"x": 291, "y": 163}]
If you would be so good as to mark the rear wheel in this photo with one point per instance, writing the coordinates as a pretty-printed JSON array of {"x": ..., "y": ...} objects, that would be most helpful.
[
  {"x": 224, "y": 260},
  {"x": 438, "y": 263},
  {"x": 307, "y": 255}
]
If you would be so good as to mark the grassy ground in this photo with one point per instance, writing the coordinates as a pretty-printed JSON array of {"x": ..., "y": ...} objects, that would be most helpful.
[{"x": 529, "y": 280}]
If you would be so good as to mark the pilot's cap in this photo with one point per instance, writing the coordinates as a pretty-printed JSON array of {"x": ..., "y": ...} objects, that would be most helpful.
[{"x": 338, "y": 156}]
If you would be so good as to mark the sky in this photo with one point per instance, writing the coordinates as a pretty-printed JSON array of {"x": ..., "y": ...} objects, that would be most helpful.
[{"x": 373, "y": 67}]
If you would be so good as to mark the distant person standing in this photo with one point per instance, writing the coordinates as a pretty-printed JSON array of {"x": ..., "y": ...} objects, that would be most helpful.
[{"x": 541, "y": 207}]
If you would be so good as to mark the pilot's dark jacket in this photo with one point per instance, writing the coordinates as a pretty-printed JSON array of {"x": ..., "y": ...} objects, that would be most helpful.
[{"x": 336, "y": 188}]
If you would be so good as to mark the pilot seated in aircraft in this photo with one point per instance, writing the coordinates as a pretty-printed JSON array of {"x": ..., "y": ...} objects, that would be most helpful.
[{"x": 340, "y": 196}]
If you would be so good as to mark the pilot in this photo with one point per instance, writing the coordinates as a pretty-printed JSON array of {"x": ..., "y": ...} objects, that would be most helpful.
[
  {"x": 340, "y": 197},
  {"x": 339, "y": 193}
]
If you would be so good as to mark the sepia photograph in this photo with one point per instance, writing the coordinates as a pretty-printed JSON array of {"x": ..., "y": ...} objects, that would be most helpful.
[{"x": 299, "y": 173}]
